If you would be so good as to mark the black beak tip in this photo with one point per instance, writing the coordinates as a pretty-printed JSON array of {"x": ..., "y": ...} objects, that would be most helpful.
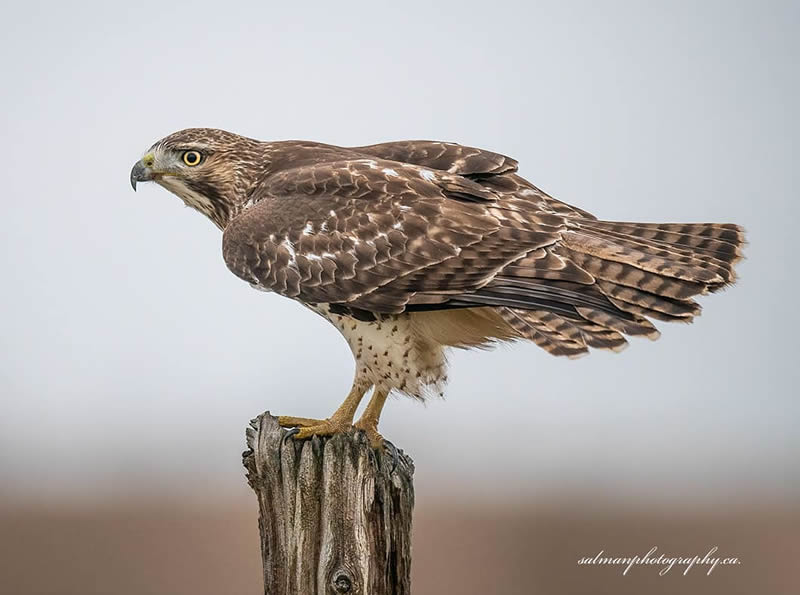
[{"x": 138, "y": 173}]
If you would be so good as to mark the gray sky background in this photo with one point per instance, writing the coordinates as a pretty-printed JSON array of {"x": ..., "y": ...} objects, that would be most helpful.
[{"x": 132, "y": 359}]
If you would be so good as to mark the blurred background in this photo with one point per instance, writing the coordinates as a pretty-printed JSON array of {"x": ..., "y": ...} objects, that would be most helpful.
[{"x": 132, "y": 359}]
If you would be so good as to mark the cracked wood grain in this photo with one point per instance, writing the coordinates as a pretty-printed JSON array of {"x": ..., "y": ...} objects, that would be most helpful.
[{"x": 334, "y": 515}]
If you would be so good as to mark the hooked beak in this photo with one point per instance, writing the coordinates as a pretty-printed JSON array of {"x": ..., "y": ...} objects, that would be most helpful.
[{"x": 140, "y": 173}]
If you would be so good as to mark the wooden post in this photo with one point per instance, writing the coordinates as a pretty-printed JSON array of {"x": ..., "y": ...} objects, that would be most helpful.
[{"x": 334, "y": 514}]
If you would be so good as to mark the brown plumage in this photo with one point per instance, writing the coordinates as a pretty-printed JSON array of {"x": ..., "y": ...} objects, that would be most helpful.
[{"x": 413, "y": 246}]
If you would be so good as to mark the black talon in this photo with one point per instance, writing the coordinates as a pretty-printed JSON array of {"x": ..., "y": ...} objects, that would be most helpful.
[
  {"x": 289, "y": 434},
  {"x": 395, "y": 455}
]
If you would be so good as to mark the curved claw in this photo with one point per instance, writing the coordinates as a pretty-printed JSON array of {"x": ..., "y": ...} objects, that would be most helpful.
[{"x": 289, "y": 434}]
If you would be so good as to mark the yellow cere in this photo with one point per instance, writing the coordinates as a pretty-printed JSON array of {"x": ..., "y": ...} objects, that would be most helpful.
[{"x": 148, "y": 160}]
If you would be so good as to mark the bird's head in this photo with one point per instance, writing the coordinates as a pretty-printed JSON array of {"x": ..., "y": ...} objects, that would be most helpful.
[{"x": 210, "y": 170}]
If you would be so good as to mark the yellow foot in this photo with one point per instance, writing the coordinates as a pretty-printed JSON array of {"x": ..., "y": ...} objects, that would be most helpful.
[
  {"x": 371, "y": 430},
  {"x": 314, "y": 427}
]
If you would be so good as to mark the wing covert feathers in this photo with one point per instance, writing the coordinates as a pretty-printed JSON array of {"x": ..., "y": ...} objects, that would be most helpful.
[{"x": 452, "y": 232}]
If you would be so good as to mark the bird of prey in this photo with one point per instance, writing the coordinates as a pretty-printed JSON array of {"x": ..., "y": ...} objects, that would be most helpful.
[{"x": 413, "y": 247}]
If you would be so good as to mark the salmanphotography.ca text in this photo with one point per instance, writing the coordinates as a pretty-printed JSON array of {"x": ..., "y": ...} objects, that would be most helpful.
[{"x": 666, "y": 563}]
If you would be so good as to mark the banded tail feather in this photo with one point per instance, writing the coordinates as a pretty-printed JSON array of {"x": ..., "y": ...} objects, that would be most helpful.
[{"x": 604, "y": 280}]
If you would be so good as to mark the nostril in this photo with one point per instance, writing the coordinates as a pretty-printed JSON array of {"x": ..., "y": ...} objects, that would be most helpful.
[{"x": 147, "y": 161}]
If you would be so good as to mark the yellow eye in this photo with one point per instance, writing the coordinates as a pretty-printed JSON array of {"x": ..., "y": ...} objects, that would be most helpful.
[{"x": 192, "y": 158}]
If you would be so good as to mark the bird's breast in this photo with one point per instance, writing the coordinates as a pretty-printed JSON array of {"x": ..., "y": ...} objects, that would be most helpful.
[{"x": 390, "y": 352}]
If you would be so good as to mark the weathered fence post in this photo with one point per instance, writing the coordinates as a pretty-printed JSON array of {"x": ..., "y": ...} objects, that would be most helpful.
[{"x": 334, "y": 514}]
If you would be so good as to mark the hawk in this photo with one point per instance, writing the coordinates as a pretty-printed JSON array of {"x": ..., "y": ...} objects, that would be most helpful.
[{"x": 412, "y": 247}]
